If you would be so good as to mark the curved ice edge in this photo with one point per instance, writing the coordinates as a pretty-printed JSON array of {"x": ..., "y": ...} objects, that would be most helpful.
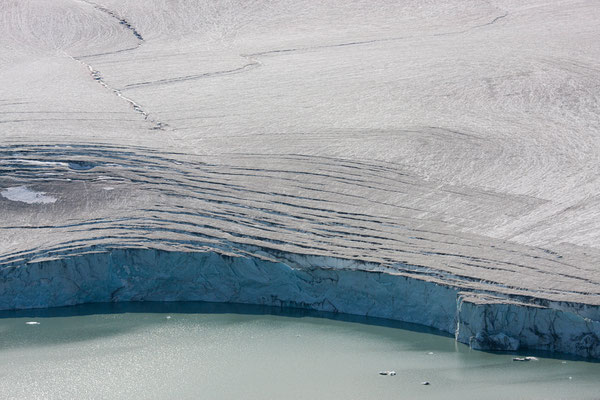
[{"x": 483, "y": 321}]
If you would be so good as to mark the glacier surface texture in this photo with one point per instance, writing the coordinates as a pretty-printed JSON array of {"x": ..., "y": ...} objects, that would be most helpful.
[{"x": 435, "y": 162}]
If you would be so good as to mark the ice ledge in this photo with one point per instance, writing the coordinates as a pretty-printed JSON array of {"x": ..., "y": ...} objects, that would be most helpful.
[
  {"x": 481, "y": 320},
  {"x": 489, "y": 323}
]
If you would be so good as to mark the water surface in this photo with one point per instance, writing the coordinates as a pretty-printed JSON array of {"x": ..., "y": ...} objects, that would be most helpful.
[{"x": 216, "y": 351}]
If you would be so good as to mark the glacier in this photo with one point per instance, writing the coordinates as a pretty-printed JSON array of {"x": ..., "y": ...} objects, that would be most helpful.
[
  {"x": 483, "y": 321},
  {"x": 431, "y": 162}
]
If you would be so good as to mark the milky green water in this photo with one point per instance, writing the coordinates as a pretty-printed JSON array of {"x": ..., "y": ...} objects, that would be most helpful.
[{"x": 204, "y": 351}]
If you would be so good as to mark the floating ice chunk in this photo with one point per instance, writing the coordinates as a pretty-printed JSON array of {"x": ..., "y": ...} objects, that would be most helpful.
[
  {"x": 388, "y": 373},
  {"x": 26, "y": 195},
  {"x": 168, "y": 317},
  {"x": 425, "y": 383},
  {"x": 32, "y": 323},
  {"x": 528, "y": 358}
]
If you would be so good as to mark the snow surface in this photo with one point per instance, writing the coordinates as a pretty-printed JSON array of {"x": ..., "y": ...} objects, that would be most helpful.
[
  {"x": 454, "y": 143},
  {"x": 26, "y": 195}
]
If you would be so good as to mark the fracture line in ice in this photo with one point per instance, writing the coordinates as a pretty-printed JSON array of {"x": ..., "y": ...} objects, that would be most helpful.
[
  {"x": 121, "y": 20},
  {"x": 97, "y": 76},
  {"x": 254, "y": 63}
]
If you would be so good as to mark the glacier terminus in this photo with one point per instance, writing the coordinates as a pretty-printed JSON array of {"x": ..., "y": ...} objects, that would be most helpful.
[{"x": 433, "y": 162}]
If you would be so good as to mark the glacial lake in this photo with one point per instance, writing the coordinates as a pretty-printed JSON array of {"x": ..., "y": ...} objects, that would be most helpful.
[{"x": 220, "y": 351}]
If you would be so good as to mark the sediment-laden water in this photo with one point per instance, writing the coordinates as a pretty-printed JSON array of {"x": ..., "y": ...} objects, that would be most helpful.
[{"x": 220, "y": 351}]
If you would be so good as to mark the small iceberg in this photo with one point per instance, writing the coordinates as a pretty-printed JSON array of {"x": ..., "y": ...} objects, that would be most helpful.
[
  {"x": 528, "y": 358},
  {"x": 388, "y": 373},
  {"x": 32, "y": 323}
]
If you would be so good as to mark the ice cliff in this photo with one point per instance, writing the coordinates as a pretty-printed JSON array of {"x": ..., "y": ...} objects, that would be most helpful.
[{"x": 483, "y": 321}]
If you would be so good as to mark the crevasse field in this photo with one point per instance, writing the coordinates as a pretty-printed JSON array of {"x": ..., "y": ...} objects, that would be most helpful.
[{"x": 434, "y": 162}]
